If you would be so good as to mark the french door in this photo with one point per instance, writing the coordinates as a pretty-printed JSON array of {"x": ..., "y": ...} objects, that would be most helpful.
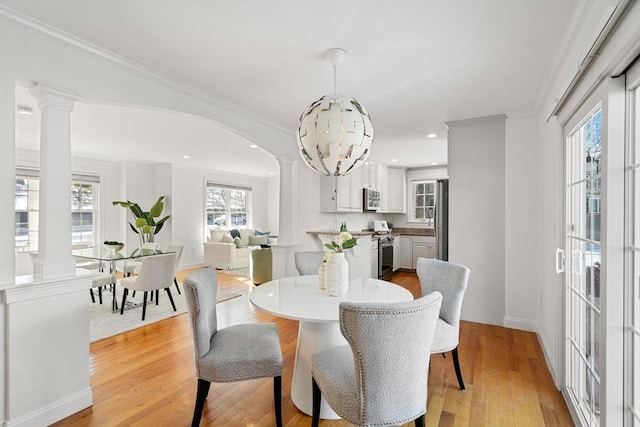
[
  {"x": 583, "y": 247},
  {"x": 594, "y": 245}
]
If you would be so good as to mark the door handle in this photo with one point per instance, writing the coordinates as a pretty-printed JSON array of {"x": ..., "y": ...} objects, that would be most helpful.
[{"x": 560, "y": 260}]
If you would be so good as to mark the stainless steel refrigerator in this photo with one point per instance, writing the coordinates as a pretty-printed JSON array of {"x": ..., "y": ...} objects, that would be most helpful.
[{"x": 442, "y": 219}]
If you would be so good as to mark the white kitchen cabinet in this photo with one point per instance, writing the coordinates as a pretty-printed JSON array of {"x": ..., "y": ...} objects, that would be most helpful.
[
  {"x": 397, "y": 191},
  {"x": 406, "y": 252},
  {"x": 348, "y": 197},
  {"x": 382, "y": 182},
  {"x": 422, "y": 247},
  {"x": 396, "y": 254},
  {"x": 369, "y": 175}
]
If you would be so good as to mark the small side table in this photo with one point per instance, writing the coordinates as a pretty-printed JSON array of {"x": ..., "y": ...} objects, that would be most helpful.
[{"x": 260, "y": 266}]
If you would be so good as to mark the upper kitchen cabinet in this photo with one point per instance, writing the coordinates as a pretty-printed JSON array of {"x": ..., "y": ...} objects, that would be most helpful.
[
  {"x": 397, "y": 191},
  {"x": 382, "y": 182},
  {"x": 369, "y": 177},
  {"x": 348, "y": 195}
]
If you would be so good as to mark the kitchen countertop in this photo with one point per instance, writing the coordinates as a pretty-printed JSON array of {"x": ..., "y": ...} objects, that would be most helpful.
[{"x": 353, "y": 233}]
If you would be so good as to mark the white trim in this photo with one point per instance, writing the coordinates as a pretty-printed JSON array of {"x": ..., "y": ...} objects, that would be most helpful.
[
  {"x": 552, "y": 364},
  {"x": 477, "y": 121},
  {"x": 520, "y": 324},
  {"x": 55, "y": 411},
  {"x": 54, "y": 35}
]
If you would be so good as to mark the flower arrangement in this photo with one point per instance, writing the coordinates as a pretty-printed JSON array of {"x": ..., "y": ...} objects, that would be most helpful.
[{"x": 342, "y": 241}]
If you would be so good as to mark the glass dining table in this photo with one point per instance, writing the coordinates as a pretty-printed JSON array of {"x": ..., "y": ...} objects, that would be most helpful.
[
  {"x": 111, "y": 257},
  {"x": 102, "y": 254}
]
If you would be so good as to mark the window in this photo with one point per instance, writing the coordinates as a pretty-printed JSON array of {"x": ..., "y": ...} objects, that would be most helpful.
[
  {"x": 228, "y": 207},
  {"x": 83, "y": 209},
  {"x": 424, "y": 202}
]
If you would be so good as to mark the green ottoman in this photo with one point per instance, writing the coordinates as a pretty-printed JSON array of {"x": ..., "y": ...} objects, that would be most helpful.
[{"x": 260, "y": 269}]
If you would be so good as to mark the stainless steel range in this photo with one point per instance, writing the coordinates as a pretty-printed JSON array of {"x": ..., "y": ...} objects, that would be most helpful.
[{"x": 385, "y": 256}]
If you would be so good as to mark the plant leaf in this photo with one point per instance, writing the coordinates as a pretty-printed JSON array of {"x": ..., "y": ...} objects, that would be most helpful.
[
  {"x": 135, "y": 230},
  {"x": 156, "y": 209}
]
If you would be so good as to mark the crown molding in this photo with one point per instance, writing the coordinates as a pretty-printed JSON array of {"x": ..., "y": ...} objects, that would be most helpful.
[
  {"x": 476, "y": 121},
  {"x": 569, "y": 36},
  {"x": 39, "y": 29}
]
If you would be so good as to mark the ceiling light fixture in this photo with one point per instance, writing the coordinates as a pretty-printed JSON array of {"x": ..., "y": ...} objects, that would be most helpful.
[
  {"x": 394, "y": 160},
  {"x": 24, "y": 109},
  {"x": 335, "y": 132},
  {"x": 253, "y": 146},
  {"x": 431, "y": 135},
  {"x": 186, "y": 157}
]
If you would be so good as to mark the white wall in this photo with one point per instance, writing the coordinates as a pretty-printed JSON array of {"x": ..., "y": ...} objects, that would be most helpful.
[
  {"x": 521, "y": 214},
  {"x": 188, "y": 198},
  {"x": 477, "y": 213}
]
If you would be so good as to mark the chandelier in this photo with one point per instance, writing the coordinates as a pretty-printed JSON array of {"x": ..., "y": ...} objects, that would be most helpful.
[{"x": 335, "y": 131}]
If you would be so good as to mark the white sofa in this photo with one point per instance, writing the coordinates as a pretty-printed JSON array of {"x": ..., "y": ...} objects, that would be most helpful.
[{"x": 220, "y": 250}]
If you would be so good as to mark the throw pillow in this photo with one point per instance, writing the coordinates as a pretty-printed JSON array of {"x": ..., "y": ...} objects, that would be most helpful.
[
  {"x": 227, "y": 238},
  {"x": 257, "y": 240},
  {"x": 216, "y": 235},
  {"x": 235, "y": 233},
  {"x": 238, "y": 242},
  {"x": 263, "y": 233}
]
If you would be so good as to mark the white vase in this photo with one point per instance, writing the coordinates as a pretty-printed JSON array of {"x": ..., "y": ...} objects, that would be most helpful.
[
  {"x": 337, "y": 274},
  {"x": 322, "y": 276}
]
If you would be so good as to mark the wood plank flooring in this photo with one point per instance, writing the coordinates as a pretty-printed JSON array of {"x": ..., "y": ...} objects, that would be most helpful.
[{"x": 146, "y": 377}]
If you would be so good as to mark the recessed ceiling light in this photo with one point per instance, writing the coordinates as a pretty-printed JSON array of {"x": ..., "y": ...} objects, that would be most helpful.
[
  {"x": 186, "y": 157},
  {"x": 253, "y": 146},
  {"x": 394, "y": 160},
  {"x": 434, "y": 163},
  {"x": 24, "y": 109},
  {"x": 271, "y": 173},
  {"x": 431, "y": 135}
]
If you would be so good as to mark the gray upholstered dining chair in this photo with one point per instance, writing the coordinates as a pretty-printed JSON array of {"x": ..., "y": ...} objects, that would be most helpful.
[
  {"x": 381, "y": 377},
  {"x": 308, "y": 263},
  {"x": 156, "y": 272},
  {"x": 450, "y": 280},
  {"x": 178, "y": 250},
  {"x": 235, "y": 353}
]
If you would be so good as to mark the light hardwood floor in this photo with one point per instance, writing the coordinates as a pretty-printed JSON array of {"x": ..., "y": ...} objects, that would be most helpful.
[{"x": 146, "y": 377}]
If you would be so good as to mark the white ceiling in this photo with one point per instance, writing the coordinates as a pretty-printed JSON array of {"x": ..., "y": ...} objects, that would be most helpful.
[{"x": 413, "y": 64}]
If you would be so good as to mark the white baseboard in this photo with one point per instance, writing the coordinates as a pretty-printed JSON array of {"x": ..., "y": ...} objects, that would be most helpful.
[
  {"x": 54, "y": 411},
  {"x": 520, "y": 324},
  {"x": 551, "y": 362}
]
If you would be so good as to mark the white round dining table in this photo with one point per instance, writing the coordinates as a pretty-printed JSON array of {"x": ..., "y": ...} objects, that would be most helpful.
[{"x": 300, "y": 298}]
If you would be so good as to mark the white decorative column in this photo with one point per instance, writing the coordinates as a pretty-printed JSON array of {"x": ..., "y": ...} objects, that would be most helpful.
[
  {"x": 288, "y": 217},
  {"x": 287, "y": 191},
  {"x": 54, "y": 244}
]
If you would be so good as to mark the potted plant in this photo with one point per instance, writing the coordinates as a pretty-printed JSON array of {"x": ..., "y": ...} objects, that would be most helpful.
[{"x": 146, "y": 225}]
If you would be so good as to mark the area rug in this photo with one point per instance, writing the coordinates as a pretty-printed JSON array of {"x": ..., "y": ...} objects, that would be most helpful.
[
  {"x": 104, "y": 323},
  {"x": 244, "y": 272}
]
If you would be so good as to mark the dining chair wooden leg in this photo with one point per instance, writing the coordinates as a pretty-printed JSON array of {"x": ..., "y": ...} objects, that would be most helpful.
[
  {"x": 201, "y": 396},
  {"x": 93, "y": 298},
  {"x": 315, "y": 419},
  {"x": 100, "y": 294},
  {"x": 124, "y": 299},
  {"x": 170, "y": 299},
  {"x": 420, "y": 421},
  {"x": 177, "y": 287},
  {"x": 144, "y": 305},
  {"x": 277, "y": 399},
  {"x": 456, "y": 365}
]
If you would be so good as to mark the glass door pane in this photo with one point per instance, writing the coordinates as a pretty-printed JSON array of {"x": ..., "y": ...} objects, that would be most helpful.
[{"x": 583, "y": 194}]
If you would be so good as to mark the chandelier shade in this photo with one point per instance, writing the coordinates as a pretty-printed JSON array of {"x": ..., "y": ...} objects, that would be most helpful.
[{"x": 335, "y": 132}]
